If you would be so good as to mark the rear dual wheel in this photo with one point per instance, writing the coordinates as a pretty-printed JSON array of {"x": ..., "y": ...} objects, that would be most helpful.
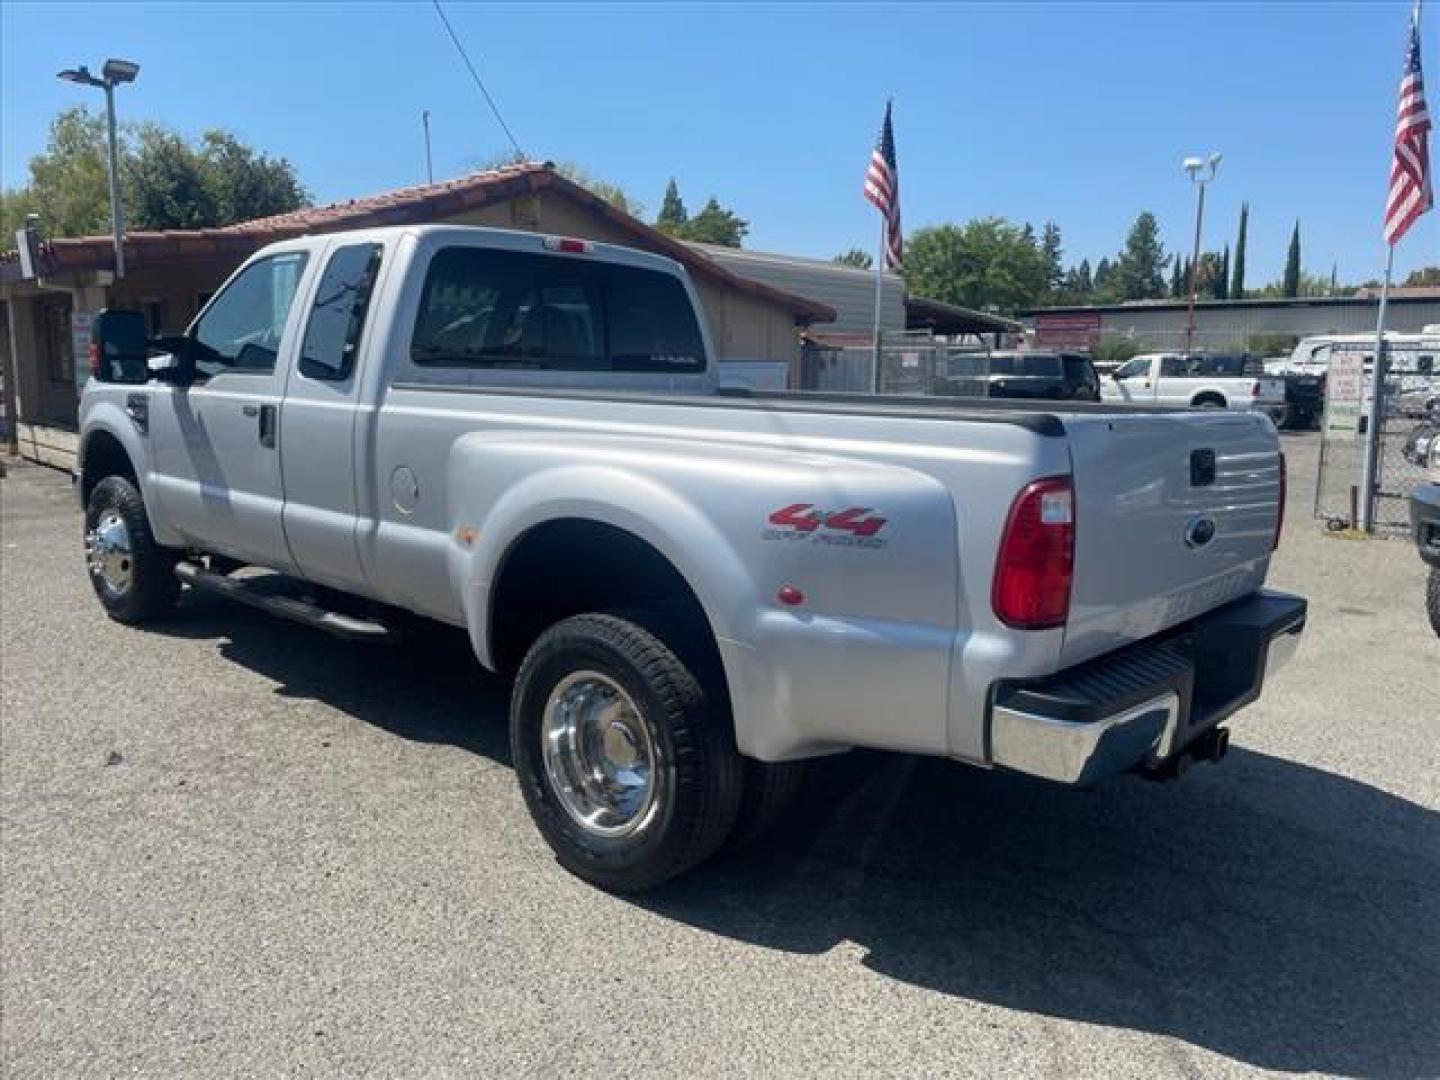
[{"x": 624, "y": 748}]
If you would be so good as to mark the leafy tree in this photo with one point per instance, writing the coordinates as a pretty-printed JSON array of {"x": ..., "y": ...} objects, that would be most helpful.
[
  {"x": 246, "y": 183},
  {"x": 1222, "y": 282},
  {"x": 614, "y": 194},
  {"x": 855, "y": 257},
  {"x": 1050, "y": 249},
  {"x": 69, "y": 182},
  {"x": 672, "y": 209},
  {"x": 1290, "y": 284},
  {"x": 15, "y": 203},
  {"x": 1426, "y": 275},
  {"x": 987, "y": 261},
  {"x": 1139, "y": 271},
  {"x": 165, "y": 183},
  {"x": 714, "y": 225},
  {"x": 1237, "y": 274},
  {"x": 1079, "y": 285}
]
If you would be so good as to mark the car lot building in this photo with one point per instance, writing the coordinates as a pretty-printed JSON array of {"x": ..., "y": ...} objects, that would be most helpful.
[{"x": 45, "y": 316}]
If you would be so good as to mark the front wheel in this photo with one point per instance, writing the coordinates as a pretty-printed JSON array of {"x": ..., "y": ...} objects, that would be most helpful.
[
  {"x": 626, "y": 759},
  {"x": 133, "y": 577},
  {"x": 1432, "y": 599}
]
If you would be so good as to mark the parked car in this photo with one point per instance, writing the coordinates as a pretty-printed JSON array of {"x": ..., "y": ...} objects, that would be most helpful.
[
  {"x": 1423, "y": 448},
  {"x": 1032, "y": 376},
  {"x": 1200, "y": 381},
  {"x": 524, "y": 436}
]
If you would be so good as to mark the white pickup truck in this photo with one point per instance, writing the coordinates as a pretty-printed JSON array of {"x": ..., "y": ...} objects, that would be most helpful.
[
  {"x": 695, "y": 589},
  {"x": 1198, "y": 381}
]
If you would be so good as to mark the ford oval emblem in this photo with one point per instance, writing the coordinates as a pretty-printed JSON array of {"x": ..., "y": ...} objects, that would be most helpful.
[{"x": 1199, "y": 532}]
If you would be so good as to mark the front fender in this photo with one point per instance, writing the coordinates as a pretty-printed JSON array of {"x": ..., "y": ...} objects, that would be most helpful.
[{"x": 107, "y": 414}]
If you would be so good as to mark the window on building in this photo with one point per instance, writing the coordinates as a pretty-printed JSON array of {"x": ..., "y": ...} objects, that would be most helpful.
[
  {"x": 342, "y": 300},
  {"x": 483, "y": 308}
]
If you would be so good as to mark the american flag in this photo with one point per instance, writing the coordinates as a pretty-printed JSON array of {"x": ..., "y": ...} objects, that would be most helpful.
[
  {"x": 1410, "y": 191},
  {"x": 882, "y": 187}
]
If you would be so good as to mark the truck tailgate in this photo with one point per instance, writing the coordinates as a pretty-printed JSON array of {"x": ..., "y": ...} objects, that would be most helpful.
[{"x": 1175, "y": 514}]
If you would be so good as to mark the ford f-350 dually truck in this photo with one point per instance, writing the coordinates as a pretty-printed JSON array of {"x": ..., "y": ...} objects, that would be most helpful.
[{"x": 695, "y": 589}]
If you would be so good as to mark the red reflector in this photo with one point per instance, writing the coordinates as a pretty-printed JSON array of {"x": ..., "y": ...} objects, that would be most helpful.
[
  {"x": 568, "y": 245},
  {"x": 93, "y": 353},
  {"x": 1284, "y": 491},
  {"x": 790, "y": 596},
  {"x": 1036, "y": 565}
]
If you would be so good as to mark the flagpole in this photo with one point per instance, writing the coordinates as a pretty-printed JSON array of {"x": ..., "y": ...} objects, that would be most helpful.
[
  {"x": 879, "y": 288},
  {"x": 1369, "y": 479}
]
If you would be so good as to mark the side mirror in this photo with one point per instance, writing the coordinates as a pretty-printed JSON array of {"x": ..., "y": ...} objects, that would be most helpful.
[
  {"x": 118, "y": 347},
  {"x": 1115, "y": 374},
  {"x": 173, "y": 365}
]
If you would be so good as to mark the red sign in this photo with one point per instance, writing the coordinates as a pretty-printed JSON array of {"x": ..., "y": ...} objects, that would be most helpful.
[{"x": 1069, "y": 328}]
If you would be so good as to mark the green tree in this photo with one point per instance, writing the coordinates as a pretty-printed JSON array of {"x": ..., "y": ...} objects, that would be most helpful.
[
  {"x": 1079, "y": 285},
  {"x": 614, "y": 194},
  {"x": 69, "y": 181},
  {"x": 1290, "y": 284},
  {"x": 246, "y": 183},
  {"x": 1139, "y": 271},
  {"x": 15, "y": 203},
  {"x": 1222, "y": 282},
  {"x": 672, "y": 214},
  {"x": 855, "y": 257},
  {"x": 1425, "y": 276},
  {"x": 987, "y": 261},
  {"x": 1237, "y": 273},
  {"x": 1102, "y": 279},
  {"x": 714, "y": 225},
  {"x": 165, "y": 183},
  {"x": 1053, "y": 253},
  {"x": 1177, "y": 279}
]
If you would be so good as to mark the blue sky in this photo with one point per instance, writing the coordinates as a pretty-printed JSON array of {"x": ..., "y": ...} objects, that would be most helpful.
[{"x": 1076, "y": 112}]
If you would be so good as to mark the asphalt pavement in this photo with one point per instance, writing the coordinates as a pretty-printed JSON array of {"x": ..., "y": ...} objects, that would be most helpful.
[{"x": 233, "y": 846}]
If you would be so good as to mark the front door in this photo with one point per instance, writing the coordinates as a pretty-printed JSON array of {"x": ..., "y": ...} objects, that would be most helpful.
[{"x": 218, "y": 475}]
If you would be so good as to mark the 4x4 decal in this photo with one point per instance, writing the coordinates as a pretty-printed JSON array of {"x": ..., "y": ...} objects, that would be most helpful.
[{"x": 855, "y": 526}]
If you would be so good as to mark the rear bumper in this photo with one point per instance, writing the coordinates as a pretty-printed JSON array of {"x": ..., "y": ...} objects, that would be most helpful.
[
  {"x": 1425, "y": 520},
  {"x": 1144, "y": 704}
]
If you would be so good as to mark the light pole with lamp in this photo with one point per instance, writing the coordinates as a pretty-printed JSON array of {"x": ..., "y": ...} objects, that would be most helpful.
[
  {"x": 112, "y": 74},
  {"x": 1202, "y": 171}
]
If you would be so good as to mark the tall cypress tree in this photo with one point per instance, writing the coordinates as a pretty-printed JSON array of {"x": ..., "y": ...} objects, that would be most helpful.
[
  {"x": 1237, "y": 274},
  {"x": 1177, "y": 286},
  {"x": 1222, "y": 282},
  {"x": 672, "y": 209},
  {"x": 1290, "y": 286}
]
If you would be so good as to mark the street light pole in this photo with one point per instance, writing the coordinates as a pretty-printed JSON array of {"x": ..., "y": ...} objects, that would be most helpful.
[
  {"x": 1195, "y": 167},
  {"x": 114, "y": 73}
]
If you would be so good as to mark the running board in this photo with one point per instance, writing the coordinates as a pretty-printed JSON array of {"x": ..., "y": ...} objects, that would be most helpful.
[{"x": 350, "y": 627}]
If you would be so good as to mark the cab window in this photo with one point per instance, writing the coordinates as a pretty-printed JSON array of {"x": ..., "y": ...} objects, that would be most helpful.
[
  {"x": 240, "y": 332},
  {"x": 332, "y": 336},
  {"x": 1140, "y": 365}
]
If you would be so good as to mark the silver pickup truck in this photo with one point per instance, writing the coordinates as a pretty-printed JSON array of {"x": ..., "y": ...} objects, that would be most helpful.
[{"x": 695, "y": 589}]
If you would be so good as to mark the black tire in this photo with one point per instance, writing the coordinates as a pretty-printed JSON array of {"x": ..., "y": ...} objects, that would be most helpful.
[
  {"x": 697, "y": 774},
  {"x": 770, "y": 789},
  {"x": 1209, "y": 401},
  {"x": 152, "y": 588},
  {"x": 1432, "y": 599}
]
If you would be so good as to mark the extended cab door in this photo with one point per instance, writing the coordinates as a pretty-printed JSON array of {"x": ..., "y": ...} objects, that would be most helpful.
[
  {"x": 1133, "y": 380},
  {"x": 320, "y": 420},
  {"x": 217, "y": 469}
]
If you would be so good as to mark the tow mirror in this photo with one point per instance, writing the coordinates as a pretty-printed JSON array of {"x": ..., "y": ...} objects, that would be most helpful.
[{"x": 118, "y": 347}]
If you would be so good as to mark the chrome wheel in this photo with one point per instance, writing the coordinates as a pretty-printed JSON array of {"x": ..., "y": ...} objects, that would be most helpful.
[
  {"x": 600, "y": 757},
  {"x": 108, "y": 552}
]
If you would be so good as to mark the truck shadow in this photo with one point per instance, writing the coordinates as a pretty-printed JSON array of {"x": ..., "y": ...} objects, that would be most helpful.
[{"x": 1274, "y": 913}]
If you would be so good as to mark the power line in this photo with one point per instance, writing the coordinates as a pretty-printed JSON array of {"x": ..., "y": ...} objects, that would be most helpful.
[{"x": 479, "y": 82}]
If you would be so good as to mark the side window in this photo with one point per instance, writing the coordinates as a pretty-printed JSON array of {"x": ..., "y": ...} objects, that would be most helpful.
[
  {"x": 1172, "y": 366},
  {"x": 509, "y": 309},
  {"x": 332, "y": 335},
  {"x": 241, "y": 330}
]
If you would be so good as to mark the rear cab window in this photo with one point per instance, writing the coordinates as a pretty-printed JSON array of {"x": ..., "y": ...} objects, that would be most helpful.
[{"x": 486, "y": 308}]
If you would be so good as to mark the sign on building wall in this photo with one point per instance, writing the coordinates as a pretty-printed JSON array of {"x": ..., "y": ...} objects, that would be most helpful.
[{"x": 1073, "y": 329}]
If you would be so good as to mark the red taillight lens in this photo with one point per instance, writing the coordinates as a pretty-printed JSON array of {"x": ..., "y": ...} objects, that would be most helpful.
[
  {"x": 1036, "y": 566},
  {"x": 93, "y": 353},
  {"x": 1284, "y": 491}
]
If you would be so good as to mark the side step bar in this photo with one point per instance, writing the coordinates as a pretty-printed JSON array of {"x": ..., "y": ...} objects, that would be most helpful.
[{"x": 350, "y": 627}]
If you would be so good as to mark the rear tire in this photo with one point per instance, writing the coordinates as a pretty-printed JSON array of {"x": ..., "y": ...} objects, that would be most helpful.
[
  {"x": 1208, "y": 401},
  {"x": 625, "y": 757},
  {"x": 132, "y": 575},
  {"x": 1432, "y": 599},
  {"x": 770, "y": 789}
]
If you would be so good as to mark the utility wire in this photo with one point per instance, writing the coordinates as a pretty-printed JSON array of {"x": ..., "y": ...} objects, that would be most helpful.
[{"x": 519, "y": 153}]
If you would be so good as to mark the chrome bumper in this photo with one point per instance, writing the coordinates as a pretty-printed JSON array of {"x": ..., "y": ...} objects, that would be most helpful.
[{"x": 1051, "y": 730}]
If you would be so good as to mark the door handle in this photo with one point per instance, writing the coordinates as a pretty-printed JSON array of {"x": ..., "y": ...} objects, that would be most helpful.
[
  {"x": 267, "y": 425},
  {"x": 250, "y": 410}
]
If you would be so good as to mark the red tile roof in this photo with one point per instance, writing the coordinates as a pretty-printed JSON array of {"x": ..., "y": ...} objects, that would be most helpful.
[{"x": 404, "y": 206}]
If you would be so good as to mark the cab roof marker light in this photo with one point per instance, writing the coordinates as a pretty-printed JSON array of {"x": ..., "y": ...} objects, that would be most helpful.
[{"x": 568, "y": 244}]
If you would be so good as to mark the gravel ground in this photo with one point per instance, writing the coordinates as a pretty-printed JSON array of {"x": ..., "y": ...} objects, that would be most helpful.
[{"x": 232, "y": 846}]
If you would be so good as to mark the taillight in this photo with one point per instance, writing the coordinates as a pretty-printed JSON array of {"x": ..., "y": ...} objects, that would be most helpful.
[
  {"x": 1284, "y": 491},
  {"x": 1036, "y": 565}
]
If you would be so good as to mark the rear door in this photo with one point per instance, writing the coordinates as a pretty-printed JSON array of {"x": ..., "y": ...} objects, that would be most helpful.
[
  {"x": 319, "y": 418},
  {"x": 218, "y": 475},
  {"x": 1175, "y": 515}
]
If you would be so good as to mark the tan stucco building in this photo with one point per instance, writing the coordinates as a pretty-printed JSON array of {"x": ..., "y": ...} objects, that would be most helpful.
[{"x": 44, "y": 319}]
